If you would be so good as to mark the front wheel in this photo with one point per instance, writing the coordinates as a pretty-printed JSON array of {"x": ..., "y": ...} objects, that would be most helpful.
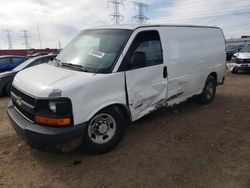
[
  {"x": 209, "y": 91},
  {"x": 105, "y": 130}
]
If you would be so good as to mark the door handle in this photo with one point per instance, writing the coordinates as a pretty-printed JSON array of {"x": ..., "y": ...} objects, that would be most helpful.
[{"x": 165, "y": 72}]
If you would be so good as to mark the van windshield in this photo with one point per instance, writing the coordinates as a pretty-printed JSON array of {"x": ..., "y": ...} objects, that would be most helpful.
[{"x": 95, "y": 50}]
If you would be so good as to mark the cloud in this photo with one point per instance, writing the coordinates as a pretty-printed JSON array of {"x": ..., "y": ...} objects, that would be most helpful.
[
  {"x": 58, "y": 21},
  {"x": 231, "y": 15},
  {"x": 62, "y": 19}
]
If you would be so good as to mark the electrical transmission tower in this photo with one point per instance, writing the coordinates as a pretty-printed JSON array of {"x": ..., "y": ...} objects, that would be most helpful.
[
  {"x": 116, "y": 16},
  {"x": 25, "y": 36},
  {"x": 39, "y": 35},
  {"x": 140, "y": 17},
  {"x": 9, "y": 38}
]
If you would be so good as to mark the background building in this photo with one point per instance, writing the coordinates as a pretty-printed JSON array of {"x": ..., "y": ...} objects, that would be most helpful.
[
  {"x": 244, "y": 40},
  {"x": 24, "y": 52}
]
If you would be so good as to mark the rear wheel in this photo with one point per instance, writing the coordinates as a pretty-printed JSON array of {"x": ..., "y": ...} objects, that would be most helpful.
[
  {"x": 105, "y": 130},
  {"x": 209, "y": 91},
  {"x": 7, "y": 89}
]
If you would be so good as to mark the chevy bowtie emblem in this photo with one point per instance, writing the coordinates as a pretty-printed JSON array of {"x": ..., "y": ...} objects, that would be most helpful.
[{"x": 19, "y": 101}]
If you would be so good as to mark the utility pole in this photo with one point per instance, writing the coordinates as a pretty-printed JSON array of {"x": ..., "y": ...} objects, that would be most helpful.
[
  {"x": 116, "y": 16},
  {"x": 39, "y": 35},
  {"x": 9, "y": 38},
  {"x": 140, "y": 17},
  {"x": 25, "y": 36},
  {"x": 59, "y": 45}
]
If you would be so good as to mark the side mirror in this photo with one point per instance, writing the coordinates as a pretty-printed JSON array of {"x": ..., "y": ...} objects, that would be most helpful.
[{"x": 138, "y": 60}]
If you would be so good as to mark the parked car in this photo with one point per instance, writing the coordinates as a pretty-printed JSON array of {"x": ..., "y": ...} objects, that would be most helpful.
[
  {"x": 240, "y": 60},
  {"x": 107, "y": 76},
  {"x": 6, "y": 78},
  {"x": 9, "y": 62}
]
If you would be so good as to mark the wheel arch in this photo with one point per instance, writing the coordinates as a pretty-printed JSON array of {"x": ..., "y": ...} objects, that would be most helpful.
[
  {"x": 214, "y": 74},
  {"x": 121, "y": 107}
]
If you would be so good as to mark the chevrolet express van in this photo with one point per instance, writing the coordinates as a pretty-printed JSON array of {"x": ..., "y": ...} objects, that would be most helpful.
[{"x": 110, "y": 75}]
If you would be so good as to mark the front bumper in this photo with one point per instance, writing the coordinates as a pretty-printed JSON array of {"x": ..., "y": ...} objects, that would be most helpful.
[
  {"x": 238, "y": 66},
  {"x": 31, "y": 132}
]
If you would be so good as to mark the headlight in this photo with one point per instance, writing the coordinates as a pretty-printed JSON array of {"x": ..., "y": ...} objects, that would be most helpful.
[
  {"x": 57, "y": 112},
  {"x": 60, "y": 107},
  {"x": 52, "y": 106}
]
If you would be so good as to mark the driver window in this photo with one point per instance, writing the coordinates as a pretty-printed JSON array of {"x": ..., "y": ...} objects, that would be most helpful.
[{"x": 145, "y": 51}]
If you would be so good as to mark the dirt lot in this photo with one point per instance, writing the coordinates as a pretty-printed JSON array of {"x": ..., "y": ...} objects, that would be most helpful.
[{"x": 190, "y": 146}]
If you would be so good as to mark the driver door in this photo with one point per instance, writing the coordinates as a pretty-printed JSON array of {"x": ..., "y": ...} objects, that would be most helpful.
[{"x": 146, "y": 76}]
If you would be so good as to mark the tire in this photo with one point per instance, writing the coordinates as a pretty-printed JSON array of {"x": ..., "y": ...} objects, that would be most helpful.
[
  {"x": 7, "y": 89},
  {"x": 104, "y": 131},
  {"x": 234, "y": 71},
  {"x": 209, "y": 90}
]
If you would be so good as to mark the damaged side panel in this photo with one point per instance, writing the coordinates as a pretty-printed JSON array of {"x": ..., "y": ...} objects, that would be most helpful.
[{"x": 146, "y": 91}]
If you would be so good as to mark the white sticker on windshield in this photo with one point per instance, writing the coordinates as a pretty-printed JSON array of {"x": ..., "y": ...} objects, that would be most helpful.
[{"x": 97, "y": 53}]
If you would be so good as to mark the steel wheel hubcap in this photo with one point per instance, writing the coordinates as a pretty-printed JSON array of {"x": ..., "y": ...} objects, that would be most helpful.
[
  {"x": 102, "y": 128},
  {"x": 210, "y": 90}
]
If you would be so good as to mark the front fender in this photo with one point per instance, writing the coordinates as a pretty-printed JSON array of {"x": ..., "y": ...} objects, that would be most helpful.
[
  {"x": 104, "y": 106},
  {"x": 102, "y": 91}
]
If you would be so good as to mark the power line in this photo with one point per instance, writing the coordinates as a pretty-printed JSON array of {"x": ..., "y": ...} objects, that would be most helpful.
[
  {"x": 116, "y": 16},
  {"x": 140, "y": 17},
  {"x": 9, "y": 38},
  {"x": 199, "y": 3}
]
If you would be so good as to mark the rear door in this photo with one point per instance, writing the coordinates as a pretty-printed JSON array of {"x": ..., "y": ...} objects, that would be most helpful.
[{"x": 146, "y": 78}]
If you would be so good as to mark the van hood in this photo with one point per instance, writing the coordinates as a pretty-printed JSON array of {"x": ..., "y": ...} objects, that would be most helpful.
[
  {"x": 242, "y": 55},
  {"x": 41, "y": 80}
]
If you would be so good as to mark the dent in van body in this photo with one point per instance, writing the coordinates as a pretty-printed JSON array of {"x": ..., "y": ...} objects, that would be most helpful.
[{"x": 145, "y": 100}]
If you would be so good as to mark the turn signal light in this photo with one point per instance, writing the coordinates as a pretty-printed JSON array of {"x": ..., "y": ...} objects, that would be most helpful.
[{"x": 53, "y": 121}]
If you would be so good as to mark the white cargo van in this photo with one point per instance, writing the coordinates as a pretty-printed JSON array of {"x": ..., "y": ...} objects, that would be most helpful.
[{"x": 108, "y": 75}]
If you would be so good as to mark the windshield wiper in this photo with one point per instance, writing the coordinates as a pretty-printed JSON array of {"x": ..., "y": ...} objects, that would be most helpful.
[
  {"x": 74, "y": 66},
  {"x": 57, "y": 61}
]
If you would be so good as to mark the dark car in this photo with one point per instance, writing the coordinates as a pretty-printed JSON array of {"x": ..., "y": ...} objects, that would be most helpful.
[
  {"x": 10, "y": 62},
  {"x": 230, "y": 50},
  {"x": 6, "y": 78}
]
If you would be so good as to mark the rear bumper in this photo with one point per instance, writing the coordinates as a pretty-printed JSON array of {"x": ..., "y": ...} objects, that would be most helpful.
[
  {"x": 31, "y": 132},
  {"x": 222, "y": 81}
]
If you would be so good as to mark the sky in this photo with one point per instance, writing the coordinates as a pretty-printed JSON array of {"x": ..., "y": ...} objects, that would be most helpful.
[{"x": 60, "y": 20}]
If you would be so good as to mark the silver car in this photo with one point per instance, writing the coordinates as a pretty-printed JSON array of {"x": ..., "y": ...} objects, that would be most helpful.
[{"x": 240, "y": 60}]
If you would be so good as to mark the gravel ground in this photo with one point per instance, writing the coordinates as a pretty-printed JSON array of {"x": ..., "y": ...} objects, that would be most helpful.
[{"x": 186, "y": 146}]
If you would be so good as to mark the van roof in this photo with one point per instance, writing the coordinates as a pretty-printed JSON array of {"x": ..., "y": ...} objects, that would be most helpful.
[{"x": 135, "y": 26}]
